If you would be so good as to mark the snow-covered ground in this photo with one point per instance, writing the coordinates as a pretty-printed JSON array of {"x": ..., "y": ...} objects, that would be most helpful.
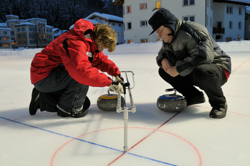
[{"x": 155, "y": 138}]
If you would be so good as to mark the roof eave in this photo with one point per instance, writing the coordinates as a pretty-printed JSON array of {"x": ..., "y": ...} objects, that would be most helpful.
[{"x": 233, "y": 2}]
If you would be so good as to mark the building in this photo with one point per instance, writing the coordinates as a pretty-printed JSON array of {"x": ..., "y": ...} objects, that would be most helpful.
[
  {"x": 224, "y": 19},
  {"x": 33, "y": 32},
  {"x": 57, "y": 32},
  {"x": 5, "y": 36},
  {"x": 247, "y": 25},
  {"x": 114, "y": 22}
]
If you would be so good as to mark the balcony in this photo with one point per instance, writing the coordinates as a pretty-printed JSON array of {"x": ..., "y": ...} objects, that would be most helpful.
[{"x": 218, "y": 30}]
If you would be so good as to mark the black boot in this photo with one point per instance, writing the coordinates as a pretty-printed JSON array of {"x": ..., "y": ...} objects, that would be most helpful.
[
  {"x": 34, "y": 103},
  {"x": 197, "y": 99},
  {"x": 86, "y": 103},
  {"x": 218, "y": 113}
]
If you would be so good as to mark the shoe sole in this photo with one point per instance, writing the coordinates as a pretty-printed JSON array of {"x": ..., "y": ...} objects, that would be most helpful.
[{"x": 84, "y": 114}]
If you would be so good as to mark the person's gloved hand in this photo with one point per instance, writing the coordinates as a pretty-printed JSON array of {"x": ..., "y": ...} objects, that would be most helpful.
[
  {"x": 119, "y": 78},
  {"x": 116, "y": 86}
]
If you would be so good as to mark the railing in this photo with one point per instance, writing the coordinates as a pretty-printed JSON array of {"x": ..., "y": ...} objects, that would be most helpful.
[{"x": 219, "y": 30}]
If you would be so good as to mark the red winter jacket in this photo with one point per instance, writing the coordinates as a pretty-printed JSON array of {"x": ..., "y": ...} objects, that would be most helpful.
[{"x": 72, "y": 49}]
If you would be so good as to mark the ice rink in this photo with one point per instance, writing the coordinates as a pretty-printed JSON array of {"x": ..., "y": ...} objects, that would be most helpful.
[{"x": 155, "y": 138}]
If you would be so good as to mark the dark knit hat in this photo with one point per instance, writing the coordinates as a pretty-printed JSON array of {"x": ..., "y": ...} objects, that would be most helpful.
[{"x": 162, "y": 17}]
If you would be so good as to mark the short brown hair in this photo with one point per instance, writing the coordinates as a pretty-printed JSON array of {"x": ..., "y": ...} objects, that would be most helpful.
[{"x": 106, "y": 35}]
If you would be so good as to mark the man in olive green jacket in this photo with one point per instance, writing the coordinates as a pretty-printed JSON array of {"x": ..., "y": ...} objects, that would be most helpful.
[{"x": 190, "y": 57}]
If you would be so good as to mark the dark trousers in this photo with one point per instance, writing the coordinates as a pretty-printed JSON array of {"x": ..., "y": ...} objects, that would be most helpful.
[
  {"x": 60, "y": 91},
  {"x": 208, "y": 77}
]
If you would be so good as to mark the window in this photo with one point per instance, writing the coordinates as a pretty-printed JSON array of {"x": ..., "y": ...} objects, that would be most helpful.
[
  {"x": 129, "y": 25},
  {"x": 219, "y": 24},
  {"x": 230, "y": 9},
  {"x": 128, "y": 9},
  {"x": 188, "y": 2},
  {"x": 144, "y": 40},
  {"x": 23, "y": 35},
  {"x": 5, "y": 38},
  {"x": 18, "y": 29},
  {"x": 129, "y": 41},
  {"x": 6, "y": 45},
  {"x": 23, "y": 29},
  {"x": 12, "y": 33},
  {"x": 189, "y": 18},
  {"x": 239, "y": 25},
  {"x": 19, "y": 36},
  {"x": 231, "y": 25},
  {"x": 240, "y": 11},
  {"x": 143, "y": 23},
  {"x": 143, "y": 6},
  {"x": 210, "y": 21},
  {"x": 158, "y": 5}
]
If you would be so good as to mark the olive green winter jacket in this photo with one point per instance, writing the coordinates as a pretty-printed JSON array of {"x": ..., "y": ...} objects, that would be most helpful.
[{"x": 191, "y": 46}]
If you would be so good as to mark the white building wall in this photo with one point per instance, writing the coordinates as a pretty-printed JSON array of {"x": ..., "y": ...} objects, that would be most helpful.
[
  {"x": 5, "y": 38},
  {"x": 209, "y": 16},
  {"x": 235, "y": 32},
  {"x": 118, "y": 28},
  {"x": 220, "y": 14},
  {"x": 174, "y": 6}
]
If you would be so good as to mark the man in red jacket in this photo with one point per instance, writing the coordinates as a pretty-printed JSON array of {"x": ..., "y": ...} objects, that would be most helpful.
[{"x": 63, "y": 71}]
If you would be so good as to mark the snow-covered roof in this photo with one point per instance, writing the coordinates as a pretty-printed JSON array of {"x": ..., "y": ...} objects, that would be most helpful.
[
  {"x": 12, "y": 20},
  {"x": 42, "y": 19},
  {"x": 49, "y": 26},
  {"x": 25, "y": 23},
  {"x": 3, "y": 25},
  {"x": 56, "y": 29},
  {"x": 71, "y": 26},
  {"x": 106, "y": 16},
  {"x": 60, "y": 32},
  {"x": 11, "y": 15},
  {"x": 248, "y": 10},
  {"x": 91, "y": 20},
  {"x": 5, "y": 28}
]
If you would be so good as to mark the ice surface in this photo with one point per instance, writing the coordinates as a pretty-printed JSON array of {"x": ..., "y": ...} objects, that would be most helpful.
[{"x": 155, "y": 138}]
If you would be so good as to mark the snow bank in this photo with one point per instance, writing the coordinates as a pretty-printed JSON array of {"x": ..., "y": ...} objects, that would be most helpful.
[{"x": 137, "y": 48}]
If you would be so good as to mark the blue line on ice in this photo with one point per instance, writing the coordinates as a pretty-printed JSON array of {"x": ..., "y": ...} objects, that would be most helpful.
[{"x": 88, "y": 142}]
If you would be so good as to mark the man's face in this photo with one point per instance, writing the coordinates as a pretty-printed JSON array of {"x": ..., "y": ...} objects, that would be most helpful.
[{"x": 164, "y": 33}]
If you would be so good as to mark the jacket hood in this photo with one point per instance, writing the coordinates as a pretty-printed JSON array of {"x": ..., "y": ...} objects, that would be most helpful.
[
  {"x": 81, "y": 26},
  {"x": 162, "y": 17}
]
